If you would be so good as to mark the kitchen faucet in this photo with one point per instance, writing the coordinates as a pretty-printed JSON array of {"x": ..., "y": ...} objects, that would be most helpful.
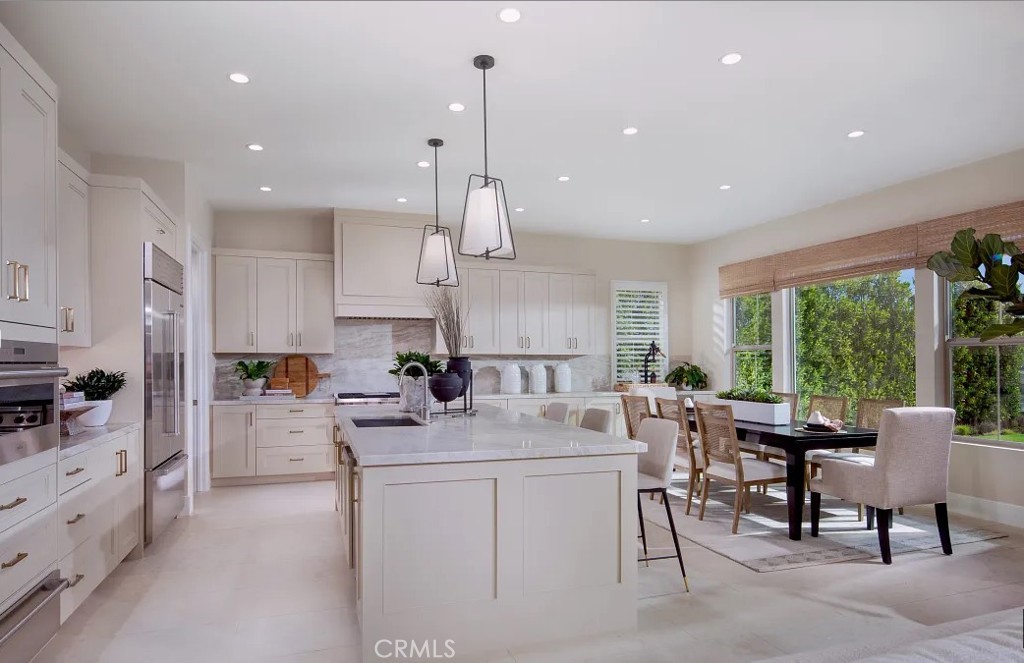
[{"x": 425, "y": 409}]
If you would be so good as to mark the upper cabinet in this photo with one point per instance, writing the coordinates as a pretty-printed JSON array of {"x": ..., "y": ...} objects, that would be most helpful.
[
  {"x": 28, "y": 205},
  {"x": 314, "y": 306},
  {"x": 524, "y": 313},
  {"x": 157, "y": 227},
  {"x": 234, "y": 311},
  {"x": 275, "y": 305},
  {"x": 74, "y": 320},
  {"x": 571, "y": 313}
]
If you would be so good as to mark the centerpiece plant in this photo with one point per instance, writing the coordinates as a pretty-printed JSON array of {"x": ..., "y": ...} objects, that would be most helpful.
[
  {"x": 446, "y": 305},
  {"x": 749, "y": 396},
  {"x": 687, "y": 375},
  {"x": 99, "y": 386}
]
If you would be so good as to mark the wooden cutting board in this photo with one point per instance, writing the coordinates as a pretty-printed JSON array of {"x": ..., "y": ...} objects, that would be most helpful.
[{"x": 301, "y": 372}]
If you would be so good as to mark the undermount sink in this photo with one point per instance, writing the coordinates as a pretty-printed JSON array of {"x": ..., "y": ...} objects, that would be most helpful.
[{"x": 382, "y": 422}]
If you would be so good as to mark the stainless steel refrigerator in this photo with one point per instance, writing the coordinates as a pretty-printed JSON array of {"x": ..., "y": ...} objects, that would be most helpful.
[{"x": 166, "y": 463}]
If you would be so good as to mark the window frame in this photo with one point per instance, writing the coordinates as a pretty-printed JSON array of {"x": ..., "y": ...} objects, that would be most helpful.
[
  {"x": 733, "y": 348},
  {"x": 658, "y": 286}
]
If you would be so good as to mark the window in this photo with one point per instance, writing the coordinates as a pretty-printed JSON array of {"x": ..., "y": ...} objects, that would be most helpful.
[
  {"x": 752, "y": 341},
  {"x": 640, "y": 311},
  {"x": 985, "y": 378},
  {"x": 855, "y": 338}
]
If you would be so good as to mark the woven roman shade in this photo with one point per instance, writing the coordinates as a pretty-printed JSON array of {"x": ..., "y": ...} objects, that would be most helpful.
[
  {"x": 751, "y": 277},
  {"x": 1006, "y": 220},
  {"x": 883, "y": 251}
]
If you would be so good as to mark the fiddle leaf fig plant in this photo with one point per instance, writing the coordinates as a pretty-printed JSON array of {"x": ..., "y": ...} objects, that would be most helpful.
[{"x": 993, "y": 268}]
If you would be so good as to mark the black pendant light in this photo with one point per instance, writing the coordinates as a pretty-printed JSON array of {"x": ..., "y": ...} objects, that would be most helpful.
[
  {"x": 486, "y": 232},
  {"x": 437, "y": 254}
]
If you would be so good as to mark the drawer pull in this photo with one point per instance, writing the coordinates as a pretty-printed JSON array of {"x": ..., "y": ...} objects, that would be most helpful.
[
  {"x": 77, "y": 470},
  {"x": 15, "y": 503},
  {"x": 296, "y": 460},
  {"x": 296, "y": 410},
  {"x": 295, "y": 432},
  {"x": 78, "y": 578},
  {"x": 76, "y": 519},
  {"x": 17, "y": 560}
]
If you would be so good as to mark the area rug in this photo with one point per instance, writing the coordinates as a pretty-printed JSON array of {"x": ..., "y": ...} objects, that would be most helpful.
[{"x": 763, "y": 543}]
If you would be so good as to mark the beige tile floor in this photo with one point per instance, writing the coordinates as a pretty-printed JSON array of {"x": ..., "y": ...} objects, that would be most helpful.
[{"x": 255, "y": 575}]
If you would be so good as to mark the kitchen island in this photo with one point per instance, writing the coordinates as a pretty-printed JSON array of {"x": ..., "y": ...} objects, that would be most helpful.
[{"x": 476, "y": 534}]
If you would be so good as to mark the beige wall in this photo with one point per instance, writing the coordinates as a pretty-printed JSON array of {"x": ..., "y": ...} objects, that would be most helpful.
[
  {"x": 74, "y": 147},
  {"x": 166, "y": 178},
  {"x": 305, "y": 230}
]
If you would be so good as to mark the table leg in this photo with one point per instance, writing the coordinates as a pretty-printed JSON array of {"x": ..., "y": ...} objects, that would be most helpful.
[{"x": 796, "y": 468}]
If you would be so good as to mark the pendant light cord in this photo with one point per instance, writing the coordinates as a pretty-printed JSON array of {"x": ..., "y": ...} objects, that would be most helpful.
[
  {"x": 485, "y": 127},
  {"x": 437, "y": 214}
]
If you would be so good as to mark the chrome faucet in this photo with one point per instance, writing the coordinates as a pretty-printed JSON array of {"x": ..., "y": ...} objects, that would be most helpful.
[{"x": 425, "y": 410}]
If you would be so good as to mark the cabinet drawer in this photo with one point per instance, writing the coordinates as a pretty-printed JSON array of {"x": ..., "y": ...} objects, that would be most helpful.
[
  {"x": 296, "y": 411},
  {"x": 293, "y": 432},
  {"x": 294, "y": 460},
  {"x": 26, "y": 550},
  {"x": 80, "y": 514},
  {"x": 85, "y": 569},
  {"x": 75, "y": 471},
  {"x": 26, "y": 495}
]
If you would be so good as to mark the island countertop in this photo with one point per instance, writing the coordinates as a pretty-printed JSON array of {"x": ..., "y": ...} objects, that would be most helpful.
[{"x": 492, "y": 434}]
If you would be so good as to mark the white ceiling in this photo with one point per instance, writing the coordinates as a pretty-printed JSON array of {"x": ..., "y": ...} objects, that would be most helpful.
[{"x": 344, "y": 95}]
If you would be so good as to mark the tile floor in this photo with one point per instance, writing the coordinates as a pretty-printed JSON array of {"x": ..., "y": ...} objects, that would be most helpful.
[{"x": 255, "y": 575}]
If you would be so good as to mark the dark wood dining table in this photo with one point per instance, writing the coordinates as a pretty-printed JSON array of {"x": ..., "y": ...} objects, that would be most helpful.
[{"x": 796, "y": 444}]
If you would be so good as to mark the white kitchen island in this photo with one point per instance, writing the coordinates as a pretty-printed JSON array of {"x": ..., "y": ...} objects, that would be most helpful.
[{"x": 476, "y": 534}]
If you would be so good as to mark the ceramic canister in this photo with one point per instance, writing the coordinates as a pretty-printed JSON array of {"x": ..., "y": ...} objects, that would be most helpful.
[
  {"x": 538, "y": 379},
  {"x": 511, "y": 379},
  {"x": 563, "y": 378}
]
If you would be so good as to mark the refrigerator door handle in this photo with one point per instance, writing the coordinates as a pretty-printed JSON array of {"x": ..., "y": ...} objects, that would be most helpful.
[{"x": 177, "y": 373}]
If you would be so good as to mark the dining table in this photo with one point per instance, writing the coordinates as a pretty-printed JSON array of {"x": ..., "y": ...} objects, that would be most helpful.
[{"x": 795, "y": 441}]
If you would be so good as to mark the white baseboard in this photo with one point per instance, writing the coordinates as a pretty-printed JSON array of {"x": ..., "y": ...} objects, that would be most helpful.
[{"x": 997, "y": 512}]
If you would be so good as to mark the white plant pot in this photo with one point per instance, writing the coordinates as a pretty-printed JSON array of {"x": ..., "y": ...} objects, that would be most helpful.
[
  {"x": 759, "y": 413},
  {"x": 253, "y": 387},
  {"x": 98, "y": 416}
]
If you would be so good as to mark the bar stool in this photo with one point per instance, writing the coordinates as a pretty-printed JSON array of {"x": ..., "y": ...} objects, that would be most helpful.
[
  {"x": 654, "y": 476},
  {"x": 557, "y": 412},
  {"x": 597, "y": 419}
]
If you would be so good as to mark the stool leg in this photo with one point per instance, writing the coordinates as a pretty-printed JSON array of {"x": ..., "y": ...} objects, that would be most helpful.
[
  {"x": 643, "y": 530},
  {"x": 870, "y": 513},
  {"x": 815, "y": 512},
  {"x": 884, "y": 517},
  {"x": 675, "y": 540}
]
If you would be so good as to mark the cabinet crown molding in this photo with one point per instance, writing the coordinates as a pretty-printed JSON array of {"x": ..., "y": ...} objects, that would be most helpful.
[{"x": 253, "y": 253}]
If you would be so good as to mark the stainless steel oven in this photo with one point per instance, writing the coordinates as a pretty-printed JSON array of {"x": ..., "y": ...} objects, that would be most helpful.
[{"x": 29, "y": 399}]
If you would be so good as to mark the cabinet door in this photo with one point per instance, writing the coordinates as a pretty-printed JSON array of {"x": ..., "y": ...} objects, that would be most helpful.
[
  {"x": 158, "y": 228},
  {"x": 531, "y": 406},
  {"x": 583, "y": 293},
  {"x": 128, "y": 500},
  {"x": 560, "y": 313},
  {"x": 315, "y": 306},
  {"x": 482, "y": 300},
  {"x": 74, "y": 319},
  {"x": 234, "y": 307},
  {"x": 512, "y": 339},
  {"x": 534, "y": 312},
  {"x": 233, "y": 447},
  {"x": 28, "y": 185},
  {"x": 275, "y": 305}
]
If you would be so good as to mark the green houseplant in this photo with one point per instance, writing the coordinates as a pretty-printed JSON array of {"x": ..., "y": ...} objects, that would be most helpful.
[
  {"x": 757, "y": 405},
  {"x": 402, "y": 358},
  {"x": 749, "y": 396},
  {"x": 253, "y": 375},
  {"x": 99, "y": 386},
  {"x": 410, "y": 389},
  {"x": 688, "y": 375}
]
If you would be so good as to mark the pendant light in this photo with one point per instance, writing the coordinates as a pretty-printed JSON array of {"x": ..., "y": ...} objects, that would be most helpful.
[
  {"x": 437, "y": 255},
  {"x": 486, "y": 232}
]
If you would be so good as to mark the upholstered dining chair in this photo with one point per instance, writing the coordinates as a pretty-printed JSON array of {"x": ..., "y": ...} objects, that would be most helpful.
[
  {"x": 688, "y": 453},
  {"x": 557, "y": 411},
  {"x": 635, "y": 409},
  {"x": 910, "y": 466},
  {"x": 597, "y": 419},
  {"x": 793, "y": 400},
  {"x": 654, "y": 468},
  {"x": 833, "y": 407},
  {"x": 723, "y": 462}
]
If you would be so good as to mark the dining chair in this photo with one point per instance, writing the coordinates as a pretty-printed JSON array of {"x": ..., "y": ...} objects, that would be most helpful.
[
  {"x": 688, "y": 453},
  {"x": 557, "y": 411},
  {"x": 654, "y": 475},
  {"x": 910, "y": 467},
  {"x": 833, "y": 407},
  {"x": 723, "y": 462},
  {"x": 793, "y": 400},
  {"x": 597, "y": 419},
  {"x": 635, "y": 409}
]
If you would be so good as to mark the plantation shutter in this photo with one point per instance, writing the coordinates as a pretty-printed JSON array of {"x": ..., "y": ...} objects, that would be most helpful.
[{"x": 641, "y": 316}]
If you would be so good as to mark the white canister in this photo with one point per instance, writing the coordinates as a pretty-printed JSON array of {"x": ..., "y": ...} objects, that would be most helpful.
[
  {"x": 538, "y": 379},
  {"x": 563, "y": 378},
  {"x": 511, "y": 379}
]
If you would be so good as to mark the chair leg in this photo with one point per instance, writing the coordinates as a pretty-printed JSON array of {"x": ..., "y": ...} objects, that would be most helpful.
[
  {"x": 942, "y": 520},
  {"x": 870, "y": 516},
  {"x": 737, "y": 507},
  {"x": 815, "y": 512},
  {"x": 884, "y": 517},
  {"x": 662, "y": 498},
  {"x": 900, "y": 510},
  {"x": 860, "y": 513},
  {"x": 746, "y": 499},
  {"x": 703, "y": 497},
  {"x": 643, "y": 530},
  {"x": 689, "y": 489},
  {"x": 675, "y": 540}
]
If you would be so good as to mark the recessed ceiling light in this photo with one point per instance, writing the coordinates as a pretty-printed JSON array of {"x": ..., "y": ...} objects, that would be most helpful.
[
  {"x": 630, "y": 131},
  {"x": 423, "y": 164},
  {"x": 239, "y": 78},
  {"x": 456, "y": 106},
  {"x": 255, "y": 147},
  {"x": 265, "y": 189},
  {"x": 509, "y": 15},
  {"x": 855, "y": 134},
  {"x": 563, "y": 178},
  {"x": 645, "y": 220},
  {"x": 401, "y": 200},
  {"x": 520, "y": 209},
  {"x": 725, "y": 187},
  {"x": 730, "y": 58}
]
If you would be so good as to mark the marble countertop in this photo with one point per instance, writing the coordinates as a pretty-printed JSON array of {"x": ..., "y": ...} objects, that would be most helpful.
[
  {"x": 90, "y": 438},
  {"x": 493, "y": 434},
  {"x": 316, "y": 400}
]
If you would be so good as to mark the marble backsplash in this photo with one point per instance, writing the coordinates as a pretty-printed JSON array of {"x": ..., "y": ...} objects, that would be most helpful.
[{"x": 364, "y": 351}]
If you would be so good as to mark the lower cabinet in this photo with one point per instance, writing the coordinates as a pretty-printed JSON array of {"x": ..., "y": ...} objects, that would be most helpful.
[
  {"x": 271, "y": 440},
  {"x": 577, "y": 406},
  {"x": 233, "y": 447}
]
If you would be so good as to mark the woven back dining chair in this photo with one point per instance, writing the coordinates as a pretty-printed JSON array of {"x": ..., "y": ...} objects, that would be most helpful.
[
  {"x": 635, "y": 409},
  {"x": 833, "y": 407},
  {"x": 792, "y": 399},
  {"x": 688, "y": 453},
  {"x": 869, "y": 411}
]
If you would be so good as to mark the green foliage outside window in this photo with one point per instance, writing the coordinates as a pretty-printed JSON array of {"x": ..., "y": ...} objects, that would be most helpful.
[{"x": 752, "y": 327}]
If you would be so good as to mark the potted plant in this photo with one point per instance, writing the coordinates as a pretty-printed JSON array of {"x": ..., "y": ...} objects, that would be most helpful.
[
  {"x": 445, "y": 304},
  {"x": 688, "y": 377},
  {"x": 99, "y": 386},
  {"x": 410, "y": 390},
  {"x": 254, "y": 375},
  {"x": 756, "y": 405}
]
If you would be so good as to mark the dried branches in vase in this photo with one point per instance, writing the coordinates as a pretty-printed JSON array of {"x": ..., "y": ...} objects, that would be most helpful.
[{"x": 445, "y": 304}]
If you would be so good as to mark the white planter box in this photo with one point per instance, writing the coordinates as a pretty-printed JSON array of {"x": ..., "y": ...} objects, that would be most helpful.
[{"x": 761, "y": 413}]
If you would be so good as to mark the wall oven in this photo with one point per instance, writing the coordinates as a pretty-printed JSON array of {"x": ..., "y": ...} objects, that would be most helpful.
[{"x": 29, "y": 399}]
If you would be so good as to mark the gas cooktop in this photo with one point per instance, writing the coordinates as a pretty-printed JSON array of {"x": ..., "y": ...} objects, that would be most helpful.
[{"x": 366, "y": 398}]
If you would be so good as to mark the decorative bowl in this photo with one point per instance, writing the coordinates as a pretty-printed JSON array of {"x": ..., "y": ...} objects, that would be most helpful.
[{"x": 445, "y": 387}]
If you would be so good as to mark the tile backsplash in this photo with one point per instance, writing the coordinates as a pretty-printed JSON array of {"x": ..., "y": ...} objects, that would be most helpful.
[{"x": 364, "y": 351}]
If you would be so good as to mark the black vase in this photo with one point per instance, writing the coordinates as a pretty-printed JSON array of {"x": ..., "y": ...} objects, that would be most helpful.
[
  {"x": 445, "y": 387},
  {"x": 462, "y": 367}
]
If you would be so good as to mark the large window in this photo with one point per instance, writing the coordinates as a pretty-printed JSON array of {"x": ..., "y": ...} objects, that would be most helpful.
[
  {"x": 752, "y": 341},
  {"x": 855, "y": 338},
  {"x": 640, "y": 311},
  {"x": 985, "y": 378}
]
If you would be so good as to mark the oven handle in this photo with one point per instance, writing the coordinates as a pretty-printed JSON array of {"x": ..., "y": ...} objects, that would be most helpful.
[{"x": 34, "y": 373}]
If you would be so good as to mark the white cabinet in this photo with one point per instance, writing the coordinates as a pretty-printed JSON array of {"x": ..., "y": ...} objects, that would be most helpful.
[
  {"x": 235, "y": 307},
  {"x": 571, "y": 319},
  {"x": 481, "y": 298},
  {"x": 584, "y": 288},
  {"x": 523, "y": 313},
  {"x": 127, "y": 491},
  {"x": 28, "y": 208},
  {"x": 74, "y": 322},
  {"x": 531, "y": 406},
  {"x": 233, "y": 447},
  {"x": 158, "y": 227},
  {"x": 314, "y": 319},
  {"x": 275, "y": 305}
]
